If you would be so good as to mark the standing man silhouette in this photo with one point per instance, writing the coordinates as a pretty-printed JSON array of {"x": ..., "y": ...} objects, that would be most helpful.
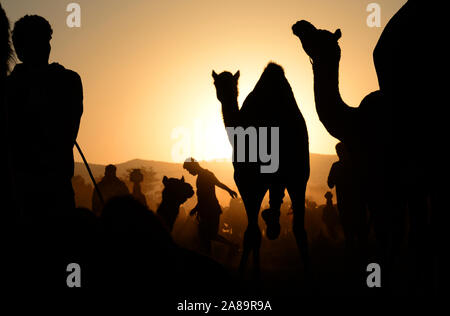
[
  {"x": 45, "y": 104},
  {"x": 208, "y": 209},
  {"x": 350, "y": 202},
  {"x": 330, "y": 216},
  {"x": 110, "y": 186}
]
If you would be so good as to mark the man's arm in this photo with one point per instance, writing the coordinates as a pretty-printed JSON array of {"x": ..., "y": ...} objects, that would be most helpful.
[
  {"x": 76, "y": 101},
  {"x": 224, "y": 187}
]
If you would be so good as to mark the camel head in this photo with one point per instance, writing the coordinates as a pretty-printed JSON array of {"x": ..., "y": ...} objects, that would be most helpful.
[
  {"x": 176, "y": 190},
  {"x": 320, "y": 45},
  {"x": 226, "y": 86}
]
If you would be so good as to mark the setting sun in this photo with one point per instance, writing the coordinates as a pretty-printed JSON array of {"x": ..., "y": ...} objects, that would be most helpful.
[
  {"x": 311, "y": 128},
  {"x": 146, "y": 66}
]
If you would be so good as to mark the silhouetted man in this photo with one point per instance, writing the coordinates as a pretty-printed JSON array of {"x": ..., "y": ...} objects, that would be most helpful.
[
  {"x": 45, "y": 104},
  {"x": 350, "y": 203},
  {"x": 136, "y": 177},
  {"x": 110, "y": 186},
  {"x": 329, "y": 216},
  {"x": 208, "y": 209}
]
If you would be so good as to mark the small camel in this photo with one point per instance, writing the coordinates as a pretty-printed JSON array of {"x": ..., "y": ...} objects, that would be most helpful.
[
  {"x": 175, "y": 192},
  {"x": 270, "y": 104}
]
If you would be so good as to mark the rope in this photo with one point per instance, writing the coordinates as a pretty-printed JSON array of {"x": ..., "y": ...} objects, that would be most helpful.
[{"x": 90, "y": 174}]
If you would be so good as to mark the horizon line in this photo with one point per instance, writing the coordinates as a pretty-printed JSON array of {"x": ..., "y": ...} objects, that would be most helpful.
[{"x": 217, "y": 160}]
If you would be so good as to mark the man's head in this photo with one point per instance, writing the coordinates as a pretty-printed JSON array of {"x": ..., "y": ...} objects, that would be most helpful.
[
  {"x": 110, "y": 171},
  {"x": 192, "y": 166},
  {"x": 31, "y": 38}
]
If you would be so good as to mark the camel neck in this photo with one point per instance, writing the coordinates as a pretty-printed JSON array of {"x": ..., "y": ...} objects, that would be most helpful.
[
  {"x": 326, "y": 78},
  {"x": 332, "y": 110},
  {"x": 168, "y": 204},
  {"x": 230, "y": 110}
]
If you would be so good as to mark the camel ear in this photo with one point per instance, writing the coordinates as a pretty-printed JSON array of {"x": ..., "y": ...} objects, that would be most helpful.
[
  {"x": 214, "y": 75},
  {"x": 236, "y": 75},
  {"x": 337, "y": 34},
  {"x": 165, "y": 179},
  {"x": 182, "y": 179}
]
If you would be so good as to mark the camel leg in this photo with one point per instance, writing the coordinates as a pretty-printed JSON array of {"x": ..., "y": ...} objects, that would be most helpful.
[
  {"x": 272, "y": 215},
  {"x": 252, "y": 236},
  {"x": 297, "y": 195}
]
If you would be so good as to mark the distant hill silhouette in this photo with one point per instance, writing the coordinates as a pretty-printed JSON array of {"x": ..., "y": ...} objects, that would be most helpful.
[{"x": 317, "y": 185}]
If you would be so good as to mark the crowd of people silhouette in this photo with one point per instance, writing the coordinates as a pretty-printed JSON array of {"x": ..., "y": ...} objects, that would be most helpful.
[{"x": 387, "y": 178}]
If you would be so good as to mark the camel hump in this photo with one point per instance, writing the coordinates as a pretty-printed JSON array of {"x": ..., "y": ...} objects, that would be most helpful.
[
  {"x": 272, "y": 100},
  {"x": 271, "y": 80},
  {"x": 272, "y": 73},
  {"x": 274, "y": 69}
]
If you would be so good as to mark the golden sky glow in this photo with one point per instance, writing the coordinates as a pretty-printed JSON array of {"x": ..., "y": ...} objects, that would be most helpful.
[{"x": 146, "y": 65}]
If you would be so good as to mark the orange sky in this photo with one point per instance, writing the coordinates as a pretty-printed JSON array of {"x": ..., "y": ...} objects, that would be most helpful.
[{"x": 146, "y": 66}]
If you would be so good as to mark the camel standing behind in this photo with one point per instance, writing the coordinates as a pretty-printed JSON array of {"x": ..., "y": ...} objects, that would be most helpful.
[
  {"x": 389, "y": 135},
  {"x": 175, "y": 193}
]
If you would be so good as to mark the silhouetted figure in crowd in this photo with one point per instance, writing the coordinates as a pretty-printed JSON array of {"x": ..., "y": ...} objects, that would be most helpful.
[
  {"x": 330, "y": 216},
  {"x": 45, "y": 104},
  {"x": 175, "y": 193},
  {"x": 208, "y": 209},
  {"x": 270, "y": 104},
  {"x": 110, "y": 186},
  {"x": 235, "y": 217},
  {"x": 350, "y": 203},
  {"x": 136, "y": 177}
]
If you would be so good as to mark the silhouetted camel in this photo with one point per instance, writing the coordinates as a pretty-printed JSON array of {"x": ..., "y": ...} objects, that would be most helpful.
[
  {"x": 175, "y": 193},
  {"x": 408, "y": 65},
  {"x": 270, "y": 104},
  {"x": 391, "y": 135},
  {"x": 366, "y": 131}
]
